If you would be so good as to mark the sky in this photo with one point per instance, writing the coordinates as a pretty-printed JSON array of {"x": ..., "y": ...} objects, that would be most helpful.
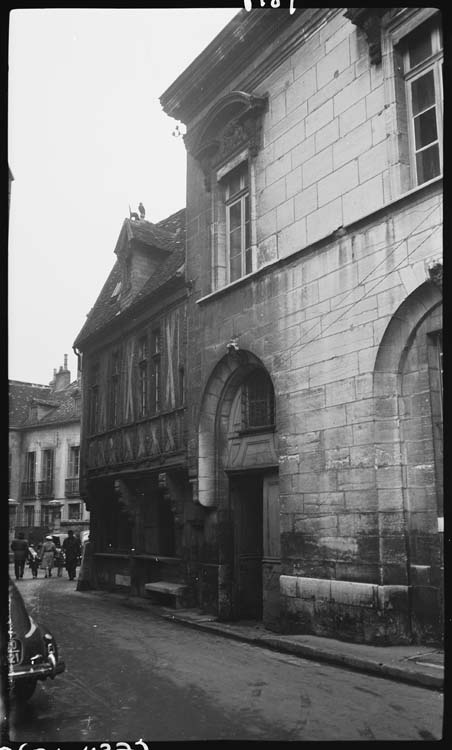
[{"x": 87, "y": 138}]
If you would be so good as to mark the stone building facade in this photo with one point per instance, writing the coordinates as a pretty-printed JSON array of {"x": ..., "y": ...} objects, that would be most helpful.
[
  {"x": 44, "y": 451},
  {"x": 314, "y": 373}
]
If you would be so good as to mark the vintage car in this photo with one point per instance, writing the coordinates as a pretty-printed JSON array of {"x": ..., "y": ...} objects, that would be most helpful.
[{"x": 32, "y": 649}]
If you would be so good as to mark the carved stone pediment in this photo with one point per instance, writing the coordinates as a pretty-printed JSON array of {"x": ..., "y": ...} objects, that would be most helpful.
[{"x": 234, "y": 123}]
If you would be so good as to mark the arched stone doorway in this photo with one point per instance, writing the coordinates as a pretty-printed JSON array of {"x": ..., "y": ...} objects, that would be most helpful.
[
  {"x": 238, "y": 480},
  {"x": 408, "y": 369}
]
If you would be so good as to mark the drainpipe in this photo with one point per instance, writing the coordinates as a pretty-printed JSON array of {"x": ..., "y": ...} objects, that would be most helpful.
[{"x": 79, "y": 358}]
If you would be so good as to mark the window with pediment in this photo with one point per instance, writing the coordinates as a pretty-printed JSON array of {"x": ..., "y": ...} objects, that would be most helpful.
[{"x": 225, "y": 146}]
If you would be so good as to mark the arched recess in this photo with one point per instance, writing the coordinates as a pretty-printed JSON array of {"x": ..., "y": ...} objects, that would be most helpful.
[
  {"x": 217, "y": 431},
  {"x": 408, "y": 443},
  {"x": 403, "y": 325}
]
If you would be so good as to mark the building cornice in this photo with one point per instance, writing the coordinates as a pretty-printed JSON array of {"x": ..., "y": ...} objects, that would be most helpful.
[
  {"x": 241, "y": 42},
  {"x": 45, "y": 425},
  {"x": 370, "y": 21}
]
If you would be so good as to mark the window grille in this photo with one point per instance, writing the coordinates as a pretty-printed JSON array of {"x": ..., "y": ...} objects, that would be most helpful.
[{"x": 258, "y": 401}]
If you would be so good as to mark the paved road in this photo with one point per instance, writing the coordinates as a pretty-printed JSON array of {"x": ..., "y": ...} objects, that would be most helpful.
[{"x": 132, "y": 675}]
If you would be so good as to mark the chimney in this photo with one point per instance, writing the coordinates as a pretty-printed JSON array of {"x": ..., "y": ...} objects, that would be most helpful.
[{"x": 62, "y": 377}]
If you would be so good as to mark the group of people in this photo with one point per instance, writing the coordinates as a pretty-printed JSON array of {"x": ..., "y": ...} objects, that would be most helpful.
[{"x": 46, "y": 556}]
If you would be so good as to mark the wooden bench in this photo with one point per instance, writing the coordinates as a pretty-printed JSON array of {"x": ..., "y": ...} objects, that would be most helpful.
[{"x": 162, "y": 592}]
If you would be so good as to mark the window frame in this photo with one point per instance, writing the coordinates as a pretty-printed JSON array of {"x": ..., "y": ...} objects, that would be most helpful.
[
  {"x": 47, "y": 517},
  {"x": 72, "y": 474},
  {"x": 143, "y": 376},
  {"x": 220, "y": 211},
  {"x": 93, "y": 415},
  {"x": 434, "y": 63},
  {"x": 30, "y": 467},
  {"x": 239, "y": 197},
  {"x": 47, "y": 464},
  {"x": 156, "y": 379},
  {"x": 78, "y": 515},
  {"x": 401, "y": 27},
  {"x": 267, "y": 396},
  {"x": 113, "y": 389},
  {"x": 29, "y": 515}
]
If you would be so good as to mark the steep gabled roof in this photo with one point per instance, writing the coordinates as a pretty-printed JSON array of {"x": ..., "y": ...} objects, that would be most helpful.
[
  {"x": 145, "y": 233},
  {"x": 60, "y": 404},
  {"x": 20, "y": 395},
  {"x": 170, "y": 234}
]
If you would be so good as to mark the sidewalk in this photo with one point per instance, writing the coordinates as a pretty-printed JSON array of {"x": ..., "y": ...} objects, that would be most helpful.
[{"x": 418, "y": 665}]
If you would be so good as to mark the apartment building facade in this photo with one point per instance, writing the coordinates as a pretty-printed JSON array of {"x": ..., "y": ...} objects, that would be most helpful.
[{"x": 44, "y": 456}]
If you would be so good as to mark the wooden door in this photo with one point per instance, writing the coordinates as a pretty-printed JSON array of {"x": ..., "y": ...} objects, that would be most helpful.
[
  {"x": 271, "y": 564},
  {"x": 248, "y": 535}
]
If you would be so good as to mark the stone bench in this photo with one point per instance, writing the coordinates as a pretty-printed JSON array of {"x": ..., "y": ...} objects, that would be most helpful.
[{"x": 162, "y": 591}]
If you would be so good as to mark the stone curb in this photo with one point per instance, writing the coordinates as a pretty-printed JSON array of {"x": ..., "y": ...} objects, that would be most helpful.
[
  {"x": 349, "y": 661},
  {"x": 367, "y": 666}
]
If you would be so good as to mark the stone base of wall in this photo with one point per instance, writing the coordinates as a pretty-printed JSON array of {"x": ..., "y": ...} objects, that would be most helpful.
[
  {"x": 203, "y": 579},
  {"x": 111, "y": 574},
  {"x": 358, "y": 612}
]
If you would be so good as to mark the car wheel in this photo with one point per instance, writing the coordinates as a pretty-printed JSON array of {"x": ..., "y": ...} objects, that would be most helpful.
[{"x": 23, "y": 690}]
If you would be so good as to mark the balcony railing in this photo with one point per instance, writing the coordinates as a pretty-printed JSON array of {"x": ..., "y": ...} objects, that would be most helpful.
[
  {"x": 45, "y": 488},
  {"x": 71, "y": 487},
  {"x": 28, "y": 490},
  {"x": 46, "y": 516}
]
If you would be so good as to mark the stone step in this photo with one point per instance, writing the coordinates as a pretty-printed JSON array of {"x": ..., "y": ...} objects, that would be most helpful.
[{"x": 165, "y": 587}]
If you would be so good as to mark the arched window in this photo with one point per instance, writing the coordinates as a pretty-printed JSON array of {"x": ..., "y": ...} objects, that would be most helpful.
[{"x": 258, "y": 401}]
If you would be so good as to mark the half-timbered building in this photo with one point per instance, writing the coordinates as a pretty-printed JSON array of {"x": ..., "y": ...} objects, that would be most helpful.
[{"x": 133, "y": 460}]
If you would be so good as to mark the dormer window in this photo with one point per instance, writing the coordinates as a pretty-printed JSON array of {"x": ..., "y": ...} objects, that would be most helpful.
[{"x": 116, "y": 290}]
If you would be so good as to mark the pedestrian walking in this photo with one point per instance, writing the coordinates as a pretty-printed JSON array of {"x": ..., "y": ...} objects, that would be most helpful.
[
  {"x": 72, "y": 551},
  {"x": 59, "y": 561},
  {"x": 33, "y": 560},
  {"x": 20, "y": 548},
  {"x": 47, "y": 556}
]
